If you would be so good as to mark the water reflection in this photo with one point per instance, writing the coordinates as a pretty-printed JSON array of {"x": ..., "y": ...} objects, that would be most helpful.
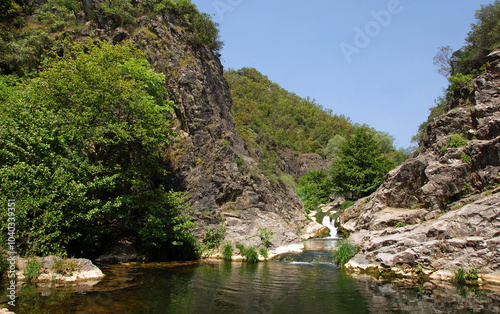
[{"x": 269, "y": 287}]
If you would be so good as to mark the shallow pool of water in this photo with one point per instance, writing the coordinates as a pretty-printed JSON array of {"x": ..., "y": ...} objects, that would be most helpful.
[{"x": 282, "y": 286}]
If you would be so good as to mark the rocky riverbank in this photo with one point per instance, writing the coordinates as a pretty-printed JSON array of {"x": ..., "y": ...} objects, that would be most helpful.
[
  {"x": 439, "y": 211},
  {"x": 52, "y": 268}
]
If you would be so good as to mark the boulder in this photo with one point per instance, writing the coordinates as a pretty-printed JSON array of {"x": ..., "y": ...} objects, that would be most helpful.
[
  {"x": 61, "y": 270},
  {"x": 314, "y": 230},
  {"x": 122, "y": 252}
]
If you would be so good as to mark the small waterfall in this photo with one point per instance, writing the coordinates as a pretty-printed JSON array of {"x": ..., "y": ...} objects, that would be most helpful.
[{"x": 330, "y": 224}]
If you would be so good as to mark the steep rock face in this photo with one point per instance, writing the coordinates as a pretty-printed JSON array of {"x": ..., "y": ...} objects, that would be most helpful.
[
  {"x": 297, "y": 165},
  {"x": 441, "y": 177},
  {"x": 209, "y": 159}
]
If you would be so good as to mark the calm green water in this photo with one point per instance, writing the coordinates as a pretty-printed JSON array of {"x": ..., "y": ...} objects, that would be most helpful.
[{"x": 300, "y": 284}]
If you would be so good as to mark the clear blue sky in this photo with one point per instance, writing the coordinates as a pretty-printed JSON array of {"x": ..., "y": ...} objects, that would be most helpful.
[{"x": 384, "y": 77}]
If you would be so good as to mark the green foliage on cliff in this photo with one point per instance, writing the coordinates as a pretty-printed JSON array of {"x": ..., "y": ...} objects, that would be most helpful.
[
  {"x": 314, "y": 188},
  {"x": 30, "y": 30},
  {"x": 204, "y": 30},
  {"x": 82, "y": 152},
  {"x": 483, "y": 38},
  {"x": 268, "y": 116},
  {"x": 462, "y": 66}
]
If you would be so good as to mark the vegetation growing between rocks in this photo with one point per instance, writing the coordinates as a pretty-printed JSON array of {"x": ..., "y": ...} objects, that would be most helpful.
[
  {"x": 29, "y": 30},
  {"x": 250, "y": 253},
  {"x": 462, "y": 276},
  {"x": 33, "y": 269},
  {"x": 462, "y": 66},
  {"x": 344, "y": 252},
  {"x": 227, "y": 252},
  {"x": 213, "y": 238},
  {"x": 265, "y": 236},
  {"x": 264, "y": 252},
  {"x": 64, "y": 266}
]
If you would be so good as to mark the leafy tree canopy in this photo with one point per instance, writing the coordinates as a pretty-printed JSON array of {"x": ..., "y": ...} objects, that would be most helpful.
[
  {"x": 81, "y": 151},
  {"x": 314, "y": 188},
  {"x": 361, "y": 166}
]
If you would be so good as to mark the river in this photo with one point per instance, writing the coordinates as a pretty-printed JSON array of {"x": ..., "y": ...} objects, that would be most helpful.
[{"x": 295, "y": 283}]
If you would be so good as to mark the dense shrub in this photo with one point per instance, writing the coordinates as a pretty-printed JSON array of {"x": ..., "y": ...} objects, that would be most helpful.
[
  {"x": 457, "y": 141},
  {"x": 314, "y": 188},
  {"x": 213, "y": 237},
  {"x": 250, "y": 253},
  {"x": 81, "y": 150}
]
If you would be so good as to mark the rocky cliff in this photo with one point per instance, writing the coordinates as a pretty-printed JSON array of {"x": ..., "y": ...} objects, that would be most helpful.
[
  {"x": 209, "y": 159},
  {"x": 440, "y": 209}
]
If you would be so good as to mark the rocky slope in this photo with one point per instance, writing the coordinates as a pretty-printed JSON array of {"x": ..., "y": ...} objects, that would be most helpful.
[
  {"x": 445, "y": 198},
  {"x": 297, "y": 165},
  {"x": 209, "y": 159}
]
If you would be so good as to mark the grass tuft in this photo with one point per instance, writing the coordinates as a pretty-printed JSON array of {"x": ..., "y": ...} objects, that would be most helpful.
[{"x": 344, "y": 252}]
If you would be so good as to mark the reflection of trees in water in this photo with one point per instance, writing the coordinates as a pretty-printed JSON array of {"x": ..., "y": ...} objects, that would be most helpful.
[
  {"x": 428, "y": 298},
  {"x": 241, "y": 287},
  {"x": 271, "y": 287}
]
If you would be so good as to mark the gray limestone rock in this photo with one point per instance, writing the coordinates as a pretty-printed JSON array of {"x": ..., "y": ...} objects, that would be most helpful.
[{"x": 445, "y": 199}]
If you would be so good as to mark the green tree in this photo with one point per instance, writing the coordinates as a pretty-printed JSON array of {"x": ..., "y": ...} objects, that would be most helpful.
[
  {"x": 361, "y": 167},
  {"x": 483, "y": 38},
  {"x": 81, "y": 150},
  {"x": 314, "y": 188},
  {"x": 334, "y": 146}
]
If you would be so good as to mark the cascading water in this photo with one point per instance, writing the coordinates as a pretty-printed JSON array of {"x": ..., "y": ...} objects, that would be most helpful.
[
  {"x": 330, "y": 224},
  {"x": 316, "y": 251}
]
